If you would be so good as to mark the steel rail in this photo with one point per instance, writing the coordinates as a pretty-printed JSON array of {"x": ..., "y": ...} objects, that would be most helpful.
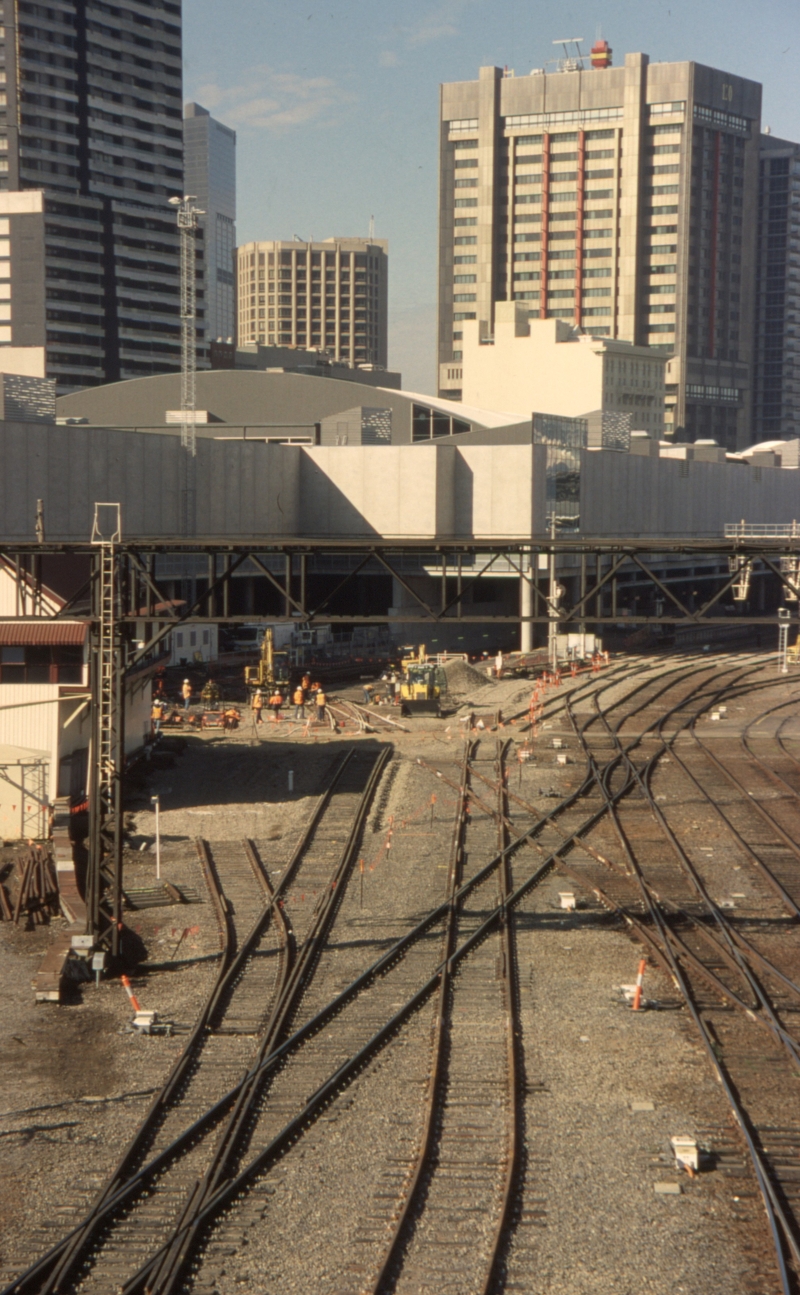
[
  {"x": 66, "y": 1254},
  {"x": 438, "y": 1064},
  {"x": 784, "y": 747},
  {"x": 26, "y": 1280},
  {"x": 233, "y": 1187},
  {"x": 514, "y": 1063},
  {"x": 733, "y": 939},
  {"x": 788, "y": 841},
  {"x": 745, "y": 741},
  {"x": 163, "y": 1275},
  {"x": 772, "y": 1205},
  {"x": 67, "y": 1267}
]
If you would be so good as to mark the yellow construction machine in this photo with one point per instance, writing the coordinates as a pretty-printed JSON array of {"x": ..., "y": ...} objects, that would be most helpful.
[
  {"x": 422, "y": 683},
  {"x": 272, "y": 670}
]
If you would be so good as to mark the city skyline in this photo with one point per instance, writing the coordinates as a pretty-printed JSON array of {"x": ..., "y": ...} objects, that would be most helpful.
[{"x": 337, "y": 120}]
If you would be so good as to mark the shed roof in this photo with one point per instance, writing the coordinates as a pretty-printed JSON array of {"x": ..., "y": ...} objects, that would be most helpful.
[{"x": 23, "y": 633}]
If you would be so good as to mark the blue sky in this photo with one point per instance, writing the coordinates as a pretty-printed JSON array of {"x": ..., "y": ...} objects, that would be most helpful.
[{"x": 336, "y": 106}]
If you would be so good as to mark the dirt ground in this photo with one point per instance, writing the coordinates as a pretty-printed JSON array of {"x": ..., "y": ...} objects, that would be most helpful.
[{"x": 75, "y": 1080}]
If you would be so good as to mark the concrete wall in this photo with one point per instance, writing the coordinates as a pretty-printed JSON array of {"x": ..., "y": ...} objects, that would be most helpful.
[
  {"x": 246, "y": 489},
  {"x": 242, "y": 488},
  {"x": 630, "y": 494},
  {"x": 369, "y": 490},
  {"x": 508, "y": 490},
  {"x": 440, "y": 488}
]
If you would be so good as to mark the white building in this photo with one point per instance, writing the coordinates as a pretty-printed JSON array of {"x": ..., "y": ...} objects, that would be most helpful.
[
  {"x": 194, "y": 643},
  {"x": 550, "y": 366},
  {"x": 44, "y": 706}
]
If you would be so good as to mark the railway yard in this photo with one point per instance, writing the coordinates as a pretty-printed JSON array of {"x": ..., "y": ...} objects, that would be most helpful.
[{"x": 395, "y": 1049}]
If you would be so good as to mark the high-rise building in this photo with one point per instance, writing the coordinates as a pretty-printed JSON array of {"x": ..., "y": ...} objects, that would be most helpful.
[
  {"x": 330, "y": 295},
  {"x": 776, "y": 376},
  {"x": 91, "y": 119},
  {"x": 209, "y": 167},
  {"x": 622, "y": 199}
]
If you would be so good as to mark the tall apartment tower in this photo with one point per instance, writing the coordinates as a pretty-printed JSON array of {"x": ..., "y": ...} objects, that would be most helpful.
[
  {"x": 330, "y": 295},
  {"x": 622, "y": 199},
  {"x": 209, "y": 164},
  {"x": 776, "y": 395},
  {"x": 91, "y": 134}
]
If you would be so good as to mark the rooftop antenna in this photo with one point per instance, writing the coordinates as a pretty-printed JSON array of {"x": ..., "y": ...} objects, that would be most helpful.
[
  {"x": 571, "y": 62},
  {"x": 372, "y": 229},
  {"x": 188, "y": 215}
]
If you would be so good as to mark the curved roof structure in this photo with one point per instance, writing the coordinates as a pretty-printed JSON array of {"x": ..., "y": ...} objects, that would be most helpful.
[{"x": 244, "y": 398}]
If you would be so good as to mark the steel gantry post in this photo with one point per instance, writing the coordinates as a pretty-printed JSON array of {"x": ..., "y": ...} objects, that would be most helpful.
[{"x": 104, "y": 874}]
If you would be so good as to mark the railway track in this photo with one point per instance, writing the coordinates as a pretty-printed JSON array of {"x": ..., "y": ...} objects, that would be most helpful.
[
  {"x": 185, "y": 1130},
  {"x": 744, "y": 1006},
  {"x": 452, "y": 1201}
]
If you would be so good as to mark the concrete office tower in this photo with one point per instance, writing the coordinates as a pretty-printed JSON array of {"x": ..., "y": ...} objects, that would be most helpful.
[
  {"x": 209, "y": 165},
  {"x": 90, "y": 119},
  {"x": 623, "y": 199},
  {"x": 330, "y": 295},
  {"x": 776, "y": 398}
]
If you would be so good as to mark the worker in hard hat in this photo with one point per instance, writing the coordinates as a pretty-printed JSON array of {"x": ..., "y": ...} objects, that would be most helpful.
[
  {"x": 257, "y": 705},
  {"x": 299, "y": 698},
  {"x": 157, "y": 714},
  {"x": 186, "y": 693}
]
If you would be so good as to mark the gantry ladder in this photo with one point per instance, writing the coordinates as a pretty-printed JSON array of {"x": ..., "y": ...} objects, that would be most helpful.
[{"x": 104, "y": 882}]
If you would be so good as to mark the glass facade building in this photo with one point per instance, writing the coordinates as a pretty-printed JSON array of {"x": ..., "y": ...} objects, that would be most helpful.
[
  {"x": 776, "y": 395},
  {"x": 210, "y": 174},
  {"x": 91, "y": 121}
]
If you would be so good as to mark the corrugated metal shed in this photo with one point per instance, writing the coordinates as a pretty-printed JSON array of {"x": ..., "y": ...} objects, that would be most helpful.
[{"x": 42, "y": 633}]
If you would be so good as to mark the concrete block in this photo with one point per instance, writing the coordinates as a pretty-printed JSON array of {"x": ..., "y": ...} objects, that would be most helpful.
[{"x": 667, "y": 1189}]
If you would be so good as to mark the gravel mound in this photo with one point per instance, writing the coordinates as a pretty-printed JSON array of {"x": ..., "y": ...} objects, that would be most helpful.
[{"x": 462, "y": 677}]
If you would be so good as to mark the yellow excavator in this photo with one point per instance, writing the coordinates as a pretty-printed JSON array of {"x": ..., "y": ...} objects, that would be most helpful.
[
  {"x": 422, "y": 683},
  {"x": 272, "y": 670}
]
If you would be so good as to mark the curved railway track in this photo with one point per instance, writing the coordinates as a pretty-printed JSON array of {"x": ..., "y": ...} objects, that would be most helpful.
[
  {"x": 150, "y": 1192},
  {"x": 738, "y": 997},
  {"x": 450, "y": 1208}
]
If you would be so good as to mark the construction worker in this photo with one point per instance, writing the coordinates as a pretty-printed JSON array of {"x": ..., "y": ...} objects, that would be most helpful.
[
  {"x": 299, "y": 702},
  {"x": 276, "y": 701},
  {"x": 498, "y": 665},
  {"x": 186, "y": 693},
  {"x": 257, "y": 705},
  {"x": 157, "y": 714},
  {"x": 367, "y": 691},
  {"x": 306, "y": 684},
  {"x": 320, "y": 702}
]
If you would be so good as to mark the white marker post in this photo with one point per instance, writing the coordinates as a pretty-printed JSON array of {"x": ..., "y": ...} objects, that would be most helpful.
[{"x": 156, "y": 803}]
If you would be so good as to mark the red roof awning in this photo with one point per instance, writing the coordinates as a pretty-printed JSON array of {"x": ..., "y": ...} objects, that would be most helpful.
[
  {"x": 21, "y": 633},
  {"x": 161, "y": 607}
]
